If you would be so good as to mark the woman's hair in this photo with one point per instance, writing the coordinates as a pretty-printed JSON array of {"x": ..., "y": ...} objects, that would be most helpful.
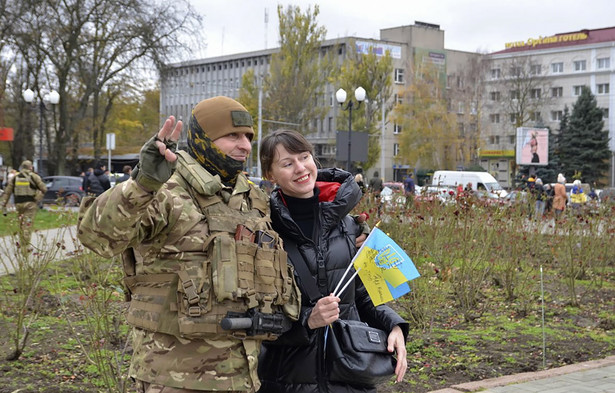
[{"x": 292, "y": 141}]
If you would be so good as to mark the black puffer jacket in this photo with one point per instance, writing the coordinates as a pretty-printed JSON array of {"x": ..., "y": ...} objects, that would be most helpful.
[
  {"x": 294, "y": 363},
  {"x": 98, "y": 182}
]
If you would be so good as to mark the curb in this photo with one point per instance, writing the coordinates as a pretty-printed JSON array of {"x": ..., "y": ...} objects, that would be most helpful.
[{"x": 526, "y": 377}]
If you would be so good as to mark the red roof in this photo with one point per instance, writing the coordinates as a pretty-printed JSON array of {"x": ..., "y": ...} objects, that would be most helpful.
[{"x": 581, "y": 37}]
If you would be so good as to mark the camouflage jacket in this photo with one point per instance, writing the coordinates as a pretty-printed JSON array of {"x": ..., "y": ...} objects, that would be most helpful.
[
  {"x": 36, "y": 187},
  {"x": 166, "y": 233}
]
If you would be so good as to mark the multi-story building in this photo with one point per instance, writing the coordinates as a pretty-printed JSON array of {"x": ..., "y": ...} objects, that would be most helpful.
[
  {"x": 186, "y": 83},
  {"x": 535, "y": 79}
]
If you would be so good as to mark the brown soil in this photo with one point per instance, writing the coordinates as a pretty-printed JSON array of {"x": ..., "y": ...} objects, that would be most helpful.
[{"x": 453, "y": 352}]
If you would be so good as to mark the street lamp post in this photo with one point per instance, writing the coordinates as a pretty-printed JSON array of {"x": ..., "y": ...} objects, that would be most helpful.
[
  {"x": 51, "y": 97},
  {"x": 340, "y": 96}
]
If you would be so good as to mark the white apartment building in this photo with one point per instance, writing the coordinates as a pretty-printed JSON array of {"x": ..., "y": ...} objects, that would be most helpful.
[
  {"x": 186, "y": 83},
  {"x": 561, "y": 64}
]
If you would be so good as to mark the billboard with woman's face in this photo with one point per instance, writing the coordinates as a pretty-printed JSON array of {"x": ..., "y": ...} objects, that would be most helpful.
[{"x": 532, "y": 146}]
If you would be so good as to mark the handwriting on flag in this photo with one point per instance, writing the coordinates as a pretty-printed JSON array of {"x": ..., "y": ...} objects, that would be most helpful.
[{"x": 384, "y": 268}]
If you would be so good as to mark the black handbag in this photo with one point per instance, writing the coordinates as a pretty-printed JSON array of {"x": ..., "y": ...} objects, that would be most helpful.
[{"x": 356, "y": 353}]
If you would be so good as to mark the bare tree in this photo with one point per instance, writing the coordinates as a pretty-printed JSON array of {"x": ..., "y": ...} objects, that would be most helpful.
[
  {"x": 87, "y": 45},
  {"x": 465, "y": 91},
  {"x": 523, "y": 89},
  {"x": 519, "y": 89}
]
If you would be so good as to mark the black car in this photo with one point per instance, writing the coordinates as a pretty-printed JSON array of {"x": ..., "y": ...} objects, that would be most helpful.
[{"x": 66, "y": 190}]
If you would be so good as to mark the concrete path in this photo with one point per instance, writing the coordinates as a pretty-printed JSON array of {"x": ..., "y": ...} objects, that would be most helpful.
[
  {"x": 42, "y": 241},
  {"x": 596, "y": 376}
]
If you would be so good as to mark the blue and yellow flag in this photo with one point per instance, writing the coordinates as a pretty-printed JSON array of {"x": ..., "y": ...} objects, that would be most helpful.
[{"x": 384, "y": 268}]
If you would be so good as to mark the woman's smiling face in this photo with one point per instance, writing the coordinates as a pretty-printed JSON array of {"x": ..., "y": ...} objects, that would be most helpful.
[{"x": 295, "y": 173}]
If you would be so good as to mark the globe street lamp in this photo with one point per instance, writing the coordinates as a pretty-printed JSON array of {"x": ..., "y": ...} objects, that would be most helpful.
[
  {"x": 51, "y": 97},
  {"x": 340, "y": 96}
]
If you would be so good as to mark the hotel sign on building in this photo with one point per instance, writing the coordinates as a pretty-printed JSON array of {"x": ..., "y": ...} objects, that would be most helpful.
[{"x": 533, "y": 42}]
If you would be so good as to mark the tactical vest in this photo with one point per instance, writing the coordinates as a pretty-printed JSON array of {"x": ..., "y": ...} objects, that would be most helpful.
[
  {"x": 23, "y": 186},
  {"x": 232, "y": 273}
]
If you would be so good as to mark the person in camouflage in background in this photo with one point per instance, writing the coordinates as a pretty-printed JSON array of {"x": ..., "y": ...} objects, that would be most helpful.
[
  {"x": 196, "y": 243},
  {"x": 28, "y": 189}
]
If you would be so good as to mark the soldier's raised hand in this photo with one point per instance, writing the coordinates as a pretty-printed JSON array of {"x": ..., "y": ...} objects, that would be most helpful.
[{"x": 157, "y": 158}]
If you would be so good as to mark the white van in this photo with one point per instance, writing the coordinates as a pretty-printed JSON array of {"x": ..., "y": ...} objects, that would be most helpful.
[{"x": 481, "y": 181}]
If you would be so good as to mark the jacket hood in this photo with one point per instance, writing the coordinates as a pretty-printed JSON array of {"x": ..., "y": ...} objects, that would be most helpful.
[{"x": 332, "y": 205}]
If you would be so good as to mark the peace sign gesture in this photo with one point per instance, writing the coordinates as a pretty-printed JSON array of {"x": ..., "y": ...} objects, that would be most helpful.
[
  {"x": 168, "y": 136},
  {"x": 157, "y": 158}
]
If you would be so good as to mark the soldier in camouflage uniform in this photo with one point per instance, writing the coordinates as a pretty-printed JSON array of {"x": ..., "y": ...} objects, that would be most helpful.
[
  {"x": 28, "y": 189},
  {"x": 196, "y": 245}
]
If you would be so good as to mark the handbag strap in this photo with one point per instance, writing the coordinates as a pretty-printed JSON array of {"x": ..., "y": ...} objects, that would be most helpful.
[{"x": 307, "y": 281}]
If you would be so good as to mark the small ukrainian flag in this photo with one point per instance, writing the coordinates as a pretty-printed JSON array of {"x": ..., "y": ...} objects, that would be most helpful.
[{"x": 384, "y": 268}]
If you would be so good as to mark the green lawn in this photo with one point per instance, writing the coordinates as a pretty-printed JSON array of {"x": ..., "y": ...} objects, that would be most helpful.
[{"x": 44, "y": 220}]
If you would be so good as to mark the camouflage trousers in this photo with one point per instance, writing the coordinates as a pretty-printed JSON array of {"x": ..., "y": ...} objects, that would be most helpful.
[
  {"x": 146, "y": 387},
  {"x": 26, "y": 212}
]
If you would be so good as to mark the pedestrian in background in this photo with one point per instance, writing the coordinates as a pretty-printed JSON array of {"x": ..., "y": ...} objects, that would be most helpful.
[
  {"x": 560, "y": 198},
  {"x": 375, "y": 185},
  {"x": 359, "y": 179},
  {"x": 539, "y": 196},
  {"x": 409, "y": 190},
  {"x": 98, "y": 181},
  {"x": 577, "y": 196},
  {"x": 28, "y": 189},
  {"x": 127, "y": 171}
]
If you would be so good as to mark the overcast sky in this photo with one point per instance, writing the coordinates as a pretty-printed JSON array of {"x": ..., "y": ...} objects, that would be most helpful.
[{"x": 235, "y": 26}]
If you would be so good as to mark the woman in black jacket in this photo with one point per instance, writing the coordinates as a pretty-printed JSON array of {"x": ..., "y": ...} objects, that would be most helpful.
[{"x": 309, "y": 209}]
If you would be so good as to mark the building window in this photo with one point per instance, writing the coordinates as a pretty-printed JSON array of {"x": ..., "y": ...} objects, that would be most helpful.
[
  {"x": 395, "y": 149},
  {"x": 580, "y": 65},
  {"x": 535, "y": 93},
  {"x": 536, "y": 69},
  {"x": 396, "y": 129},
  {"x": 557, "y": 68},
  {"x": 494, "y": 96},
  {"x": 494, "y": 139},
  {"x": 605, "y": 113},
  {"x": 604, "y": 63},
  {"x": 399, "y": 75},
  {"x": 514, "y": 94},
  {"x": 397, "y": 99},
  {"x": 557, "y": 91},
  {"x": 494, "y": 117},
  {"x": 513, "y": 118},
  {"x": 495, "y": 73},
  {"x": 535, "y": 116},
  {"x": 515, "y": 71},
  {"x": 460, "y": 107},
  {"x": 603, "y": 88},
  {"x": 576, "y": 90},
  {"x": 556, "y": 115},
  {"x": 330, "y": 124}
]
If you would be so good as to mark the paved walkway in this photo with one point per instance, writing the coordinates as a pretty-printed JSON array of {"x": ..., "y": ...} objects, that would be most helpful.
[
  {"x": 596, "y": 376},
  {"x": 44, "y": 241}
]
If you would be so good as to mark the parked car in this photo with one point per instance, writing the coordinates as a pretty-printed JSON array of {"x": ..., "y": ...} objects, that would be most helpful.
[
  {"x": 65, "y": 190},
  {"x": 393, "y": 192},
  {"x": 440, "y": 194},
  {"x": 607, "y": 195},
  {"x": 515, "y": 197}
]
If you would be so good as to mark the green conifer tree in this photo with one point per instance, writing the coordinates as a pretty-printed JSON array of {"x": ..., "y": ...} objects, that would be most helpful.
[{"x": 583, "y": 144}]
